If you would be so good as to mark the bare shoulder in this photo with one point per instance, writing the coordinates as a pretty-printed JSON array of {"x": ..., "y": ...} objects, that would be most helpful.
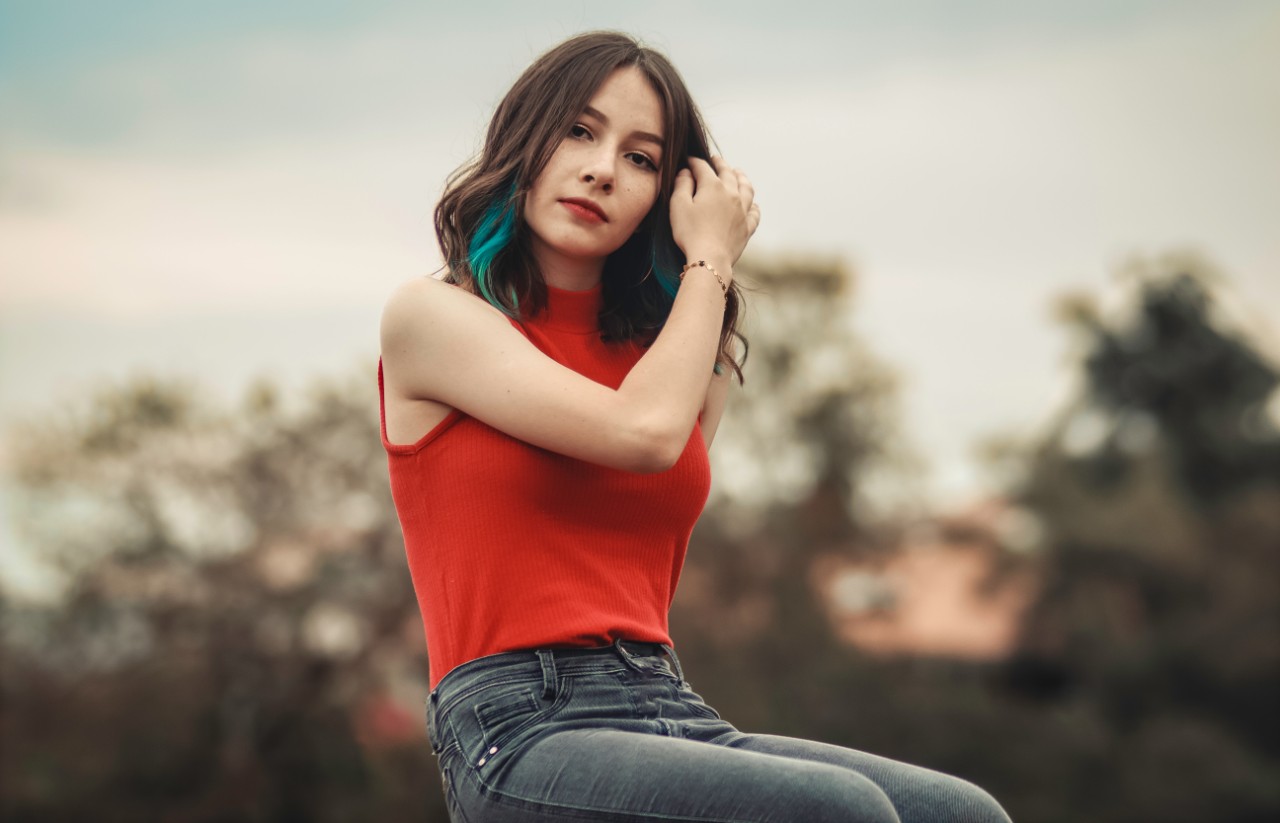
[
  {"x": 428, "y": 299},
  {"x": 426, "y": 315},
  {"x": 434, "y": 334}
]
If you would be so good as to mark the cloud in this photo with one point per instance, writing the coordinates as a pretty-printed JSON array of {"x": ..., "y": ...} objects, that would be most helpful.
[{"x": 276, "y": 227}]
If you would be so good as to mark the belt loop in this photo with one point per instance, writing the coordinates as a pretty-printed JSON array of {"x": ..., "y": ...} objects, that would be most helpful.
[
  {"x": 626, "y": 656},
  {"x": 675, "y": 661},
  {"x": 548, "y": 660},
  {"x": 433, "y": 731}
]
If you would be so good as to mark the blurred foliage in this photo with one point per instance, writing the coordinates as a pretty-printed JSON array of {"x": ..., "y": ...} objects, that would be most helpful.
[
  {"x": 818, "y": 410},
  {"x": 237, "y": 615},
  {"x": 238, "y": 638},
  {"x": 1158, "y": 492},
  {"x": 1144, "y": 684}
]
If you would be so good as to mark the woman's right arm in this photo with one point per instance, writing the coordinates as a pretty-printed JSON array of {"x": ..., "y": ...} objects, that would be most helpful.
[{"x": 444, "y": 344}]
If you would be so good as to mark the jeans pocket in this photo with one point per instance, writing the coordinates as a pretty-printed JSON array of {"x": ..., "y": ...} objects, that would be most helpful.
[
  {"x": 504, "y": 714},
  {"x": 493, "y": 713}
]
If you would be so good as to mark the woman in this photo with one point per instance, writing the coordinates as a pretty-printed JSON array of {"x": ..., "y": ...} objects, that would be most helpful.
[{"x": 547, "y": 409}]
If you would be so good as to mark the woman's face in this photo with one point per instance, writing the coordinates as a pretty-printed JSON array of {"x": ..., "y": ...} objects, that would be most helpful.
[{"x": 603, "y": 178}]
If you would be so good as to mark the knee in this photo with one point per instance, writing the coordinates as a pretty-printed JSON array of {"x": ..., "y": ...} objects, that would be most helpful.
[
  {"x": 853, "y": 798},
  {"x": 973, "y": 804}
]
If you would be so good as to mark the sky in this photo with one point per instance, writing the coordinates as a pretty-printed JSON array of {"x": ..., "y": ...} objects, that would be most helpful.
[{"x": 233, "y": 189}]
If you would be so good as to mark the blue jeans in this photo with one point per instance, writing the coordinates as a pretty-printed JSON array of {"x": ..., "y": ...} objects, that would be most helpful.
[{"x": 615, "y": 734}]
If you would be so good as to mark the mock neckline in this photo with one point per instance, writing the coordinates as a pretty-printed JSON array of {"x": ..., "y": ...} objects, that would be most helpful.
[{"x": 575, "y": 311}]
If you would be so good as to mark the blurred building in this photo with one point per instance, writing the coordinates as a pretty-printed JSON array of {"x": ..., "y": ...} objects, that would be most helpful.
[{"x": 957, "y": 586}]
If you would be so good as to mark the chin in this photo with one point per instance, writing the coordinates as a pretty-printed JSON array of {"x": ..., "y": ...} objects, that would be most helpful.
[
  {"x": 578, "y": 245},
  {"x": 585, "y": 251}
]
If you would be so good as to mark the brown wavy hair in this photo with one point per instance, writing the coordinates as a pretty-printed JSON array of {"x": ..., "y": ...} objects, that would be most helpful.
[{"x": 641, "y": 277}]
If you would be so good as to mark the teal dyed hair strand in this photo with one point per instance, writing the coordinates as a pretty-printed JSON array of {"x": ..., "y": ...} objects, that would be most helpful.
[
  {"x": 665, "y": 273},
  {"x": 493, "y": 235}
]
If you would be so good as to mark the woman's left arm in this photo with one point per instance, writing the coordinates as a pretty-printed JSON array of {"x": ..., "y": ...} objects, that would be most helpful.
[{"x": 713, "y": 406}]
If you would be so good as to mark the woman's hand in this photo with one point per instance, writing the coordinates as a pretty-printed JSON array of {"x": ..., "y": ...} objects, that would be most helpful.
[{"x": 713, "y": 210}]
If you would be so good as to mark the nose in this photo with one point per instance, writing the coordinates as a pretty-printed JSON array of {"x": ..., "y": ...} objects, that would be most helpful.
[{"x": 598, "y": 170}]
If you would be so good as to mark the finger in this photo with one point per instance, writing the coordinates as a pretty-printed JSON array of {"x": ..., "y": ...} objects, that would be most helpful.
[
  {"x": 753, "y": 218},
  {"x": 683, "y": 187},
  {"x": 728, "y": 174},
  {"x": 746, "y": 191},
  {"x": 703, "y": 174}
]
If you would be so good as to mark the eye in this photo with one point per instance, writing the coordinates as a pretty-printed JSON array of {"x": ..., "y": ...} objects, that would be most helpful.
[
  {"x": 642, "y": 161},
  {"x": 579, "y": 131}
]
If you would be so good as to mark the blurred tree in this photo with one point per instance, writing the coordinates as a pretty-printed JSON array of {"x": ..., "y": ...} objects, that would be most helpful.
[
  {"x": 818, "y": 412},
  {"x": 238, "y": 636},
  {"x": 1159, "y": 494},
  {"x": 815, "y": 419}
]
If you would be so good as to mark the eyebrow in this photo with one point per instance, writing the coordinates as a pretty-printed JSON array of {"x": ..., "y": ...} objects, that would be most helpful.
[{"x": 642, "y": 135}]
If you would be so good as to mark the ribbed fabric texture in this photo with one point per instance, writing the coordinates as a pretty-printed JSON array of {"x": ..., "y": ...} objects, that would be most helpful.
[{"x": 511, "y": 546}]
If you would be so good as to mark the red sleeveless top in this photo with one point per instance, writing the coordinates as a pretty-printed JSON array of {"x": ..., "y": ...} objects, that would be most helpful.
[{"x": 511, "y": 546}]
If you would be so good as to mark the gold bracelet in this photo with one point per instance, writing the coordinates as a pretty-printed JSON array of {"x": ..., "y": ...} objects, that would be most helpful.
[{"x": 705, "y": 265}]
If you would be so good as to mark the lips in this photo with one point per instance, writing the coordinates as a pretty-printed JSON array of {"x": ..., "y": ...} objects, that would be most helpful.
[{"x": 585, "y": 209}]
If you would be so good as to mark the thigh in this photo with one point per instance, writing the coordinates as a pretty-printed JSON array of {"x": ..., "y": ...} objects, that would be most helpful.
[
  {"x": 612, "y": 775},
  {"x": 919, "y": 795}
]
